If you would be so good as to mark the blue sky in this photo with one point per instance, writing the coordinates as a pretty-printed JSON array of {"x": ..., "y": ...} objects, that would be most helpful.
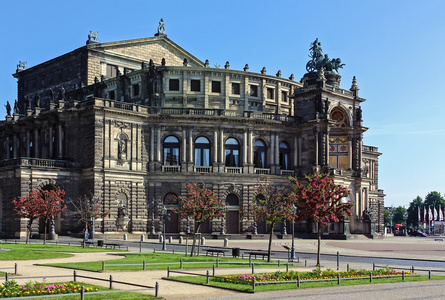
[{"x": 394, "y": 48}]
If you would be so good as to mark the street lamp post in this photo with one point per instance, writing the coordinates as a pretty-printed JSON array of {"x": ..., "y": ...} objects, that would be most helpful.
[
  {"x": 292, "y": 250},
  {"x": 391, "y": 216},
  {"x": 164, "y": 215},
  {"x": 405, "y": 216}
]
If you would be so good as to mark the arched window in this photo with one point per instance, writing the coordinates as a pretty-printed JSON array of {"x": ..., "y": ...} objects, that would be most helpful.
[
  {"x": 170, "y": 199},
  {"x": 232, "y": 200},
  {"x": 339, "y": 117},
  {"x": 202, "y": 152},
  {"x": 232, "y": 153},
  {"x": 284, "y": 156},
  {"x": 171, "y": 151},
  {"x": 259, "y": 154}
]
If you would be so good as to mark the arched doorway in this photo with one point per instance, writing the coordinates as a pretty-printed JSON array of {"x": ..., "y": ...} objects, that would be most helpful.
[
  {"x": 261, "y": 225},
  {"x": 172, "y": 221},
  {"x": 232, "y": 215}
]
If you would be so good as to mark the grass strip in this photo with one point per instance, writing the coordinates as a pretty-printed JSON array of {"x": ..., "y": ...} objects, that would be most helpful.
[
  {"x": 201, "y": 280},
  {"x": 161, "y": 261}
]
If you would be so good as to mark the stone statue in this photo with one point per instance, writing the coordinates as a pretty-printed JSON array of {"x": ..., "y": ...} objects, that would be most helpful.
[
  {"x": 21, "y": 65},
  {"x": 359, "y": 114},
  {"x": 37, "y": 100},
  {"x": 122, "y": 211},
  {"x": 161, "y": 28},
  {"x": 16, "y": 107},
  {"x": 122, "y": 149},
  {"x": 326, "y": 105},
  {"x": 336, "y": 64},
  {"x": 51, "y": 94},
  {"x": 321, "y": 61},
  {"x": 8, "y": 108},
  {"x": 62, "y": 93},
  {"x": 185, "y": 62},
  {"x": 93, "y": 36}
]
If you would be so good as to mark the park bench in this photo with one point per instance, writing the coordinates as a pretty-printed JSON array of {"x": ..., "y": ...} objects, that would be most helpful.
[
  {"x": 212, "y": 251},
  {"x": 114, "y": 246},
  {"x": 87, "y": 244},
  {"x": 258, "y": 253}
]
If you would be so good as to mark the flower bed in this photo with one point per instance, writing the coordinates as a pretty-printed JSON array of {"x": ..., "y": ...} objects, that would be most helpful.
[
  {"x": 315, "y": 274},
  {"x": 12, "y": 289}
]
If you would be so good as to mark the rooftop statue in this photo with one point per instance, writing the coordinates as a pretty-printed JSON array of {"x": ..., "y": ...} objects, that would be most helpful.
[
  {"x": 161, "y": 28},
  {"x": 93, "y": 36},
  {"x": 320, "y": 60}
]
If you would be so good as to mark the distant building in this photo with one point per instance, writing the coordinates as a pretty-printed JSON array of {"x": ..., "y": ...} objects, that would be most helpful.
[{"x": 133, "y": 121}]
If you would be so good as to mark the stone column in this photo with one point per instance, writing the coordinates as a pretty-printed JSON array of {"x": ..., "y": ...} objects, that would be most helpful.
[
  {"x": 152, "y": 144},
  {"x": 51, "y": 146},
  {"x": 14, "y": 147},
  {"x": 245, "y": 147},
  {"x": 184, "y": 146},
  {"x": 215, "y": 146},
  {"x": 272, "y": 149},
  {"x": 60, "y": 135},
  {"x": 8, "y": 146},
  {"x": 36, "y": 143},
  {"x": 158, "y": 146},
  {"x": 191, "y": 157},
  {"x": 28, "y": 150}
]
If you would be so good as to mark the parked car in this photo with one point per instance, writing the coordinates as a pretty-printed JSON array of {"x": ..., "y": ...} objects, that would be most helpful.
[{"x": 416, "y": 233}]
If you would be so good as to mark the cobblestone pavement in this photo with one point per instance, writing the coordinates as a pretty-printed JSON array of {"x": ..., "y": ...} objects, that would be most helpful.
[{"x": 418, "y": 248}]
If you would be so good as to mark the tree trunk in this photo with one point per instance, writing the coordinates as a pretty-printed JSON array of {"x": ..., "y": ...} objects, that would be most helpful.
[
  {"x": 319, "y": 243},
  {"x": 44, "y": 236},
  {"x": 270, "y": 242},
  {"x": 194, "y": 238}
]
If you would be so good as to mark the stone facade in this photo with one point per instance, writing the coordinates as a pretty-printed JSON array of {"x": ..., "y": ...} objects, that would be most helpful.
[{"x": 132, "y": 122}]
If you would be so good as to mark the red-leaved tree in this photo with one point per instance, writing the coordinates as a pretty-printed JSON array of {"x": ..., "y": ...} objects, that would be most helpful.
[
  {"x": 272, "y": 206},
  {"x": 52, "y": 205},
  {"x": 201, "y": 205},
  {"x": 320, "y": 199},
  {"x": 29, "y": 208}
]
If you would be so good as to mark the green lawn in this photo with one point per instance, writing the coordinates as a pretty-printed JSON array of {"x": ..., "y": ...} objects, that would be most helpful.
[
  {"x": 161, "y": 261},
  {"x": 39, "y": 251},
  {"x": 288, "y": 286}
]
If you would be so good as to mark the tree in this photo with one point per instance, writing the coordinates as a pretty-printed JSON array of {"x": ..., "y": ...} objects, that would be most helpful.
[
  {"x": 413, "y": 212},
  {"x": 200, "y": 204},
  {"x": 85, "y": 208},
  {"x": 52, "y": 205},
  {"x": 398, "y": 213},
  {"x": 29, "y": 208},
  {"x": 434, "y": 199},
  {"x": 272, "y": 206},
  {"x": 386, "y": 218},
  {"x": 321, "y": 200}
]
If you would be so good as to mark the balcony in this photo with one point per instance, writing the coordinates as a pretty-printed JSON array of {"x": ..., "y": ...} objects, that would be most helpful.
[
  {"x": 36, "y": 162},
  {"x": 261, "y": 171},
  {"x": 287, "y": 173},
  {"x": 234, "y": 170},
  {"x": 171, "y": 169},
  {"x": 206, "y": 169}
]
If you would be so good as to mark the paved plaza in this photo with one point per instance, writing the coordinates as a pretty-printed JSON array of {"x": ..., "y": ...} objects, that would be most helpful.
[{"x": 423, "y": 250}]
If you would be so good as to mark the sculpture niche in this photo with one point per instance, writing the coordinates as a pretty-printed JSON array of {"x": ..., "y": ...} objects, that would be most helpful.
[{"x": 122, "y": 216}]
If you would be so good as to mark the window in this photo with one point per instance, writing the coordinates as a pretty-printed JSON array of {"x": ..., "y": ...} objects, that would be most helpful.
[
  {"x": 135, "y": 89},
  {"x": 216, "y": 86},
  {"x": 111, "y": 71},
  {"x": 235, "y": 88},
  {"x": 170, "y": 199},
  {"x": 254, "y": 90},
  {"x": 173, "y": 85},
  {"x": 202, "y": 152},
  {"x": 270, "y": 93},
  {"x": 284, "y": 96},
  {"x": 259, "y": 154},
  {"x": 339, "y": 153},
  {"x": 195, "y": 85},
  {"x": 112, "y": 95},
  {"x": 171, "y": 151},
  {"x": 232, "y": 200},
  {"x": 232, "y": 152},
  {"x": 284, "y": 156}
]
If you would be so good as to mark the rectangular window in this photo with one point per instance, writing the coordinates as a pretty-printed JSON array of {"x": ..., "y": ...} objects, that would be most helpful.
[
  {"x": 111, "y": 71},
  {"x": 135, "y": 89},
  {"x": 195, "y": 85},
  {"x": 235, "y": 88},
  {"x": 173, "y": 85},
  {"x": 284, "y": 96},
  {"x": 111, "y": 95},
  {"x": 254, "y": 90},
  {"x": 270, "y": 93},
  {"x": 216, "y": 86}
]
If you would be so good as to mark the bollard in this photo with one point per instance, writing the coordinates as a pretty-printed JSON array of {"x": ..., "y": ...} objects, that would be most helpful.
[
  {"x": 125, "y": 237},
  {"x": 347, "y": 267},
  {"x": 111, "y": 282},
  {"x": 161, "y": 239},
  {"x": 253, "y": 283},
  {"x": 181, "y": 240},
  {"x": 338, "y": 260},
  {"x": 142, "y": 238},
  {"x": 253, "y": 269},
  {"x": 429, "y": 274},
  {"x": 203, "y": 241},
  {"x": 208, "y": 278},
  {"x": 370, "y": 277},
  {"x": 74, "y": 275},
  {"x": 82, "y": 293},
  {"x": 412, "y": 269},
  {"x": 403, "y": 275},
  {"x": 278, "y": 263},
  {"x": 143, "y": 265},
  {"x": 213, "y": 273},
  {"x": 298, "y": 259},
  {"x": 180, "y": 263},
  {"x": 226, "y": 242},
  {"x": 140, "y": 247},
  {"x": 338, "y": 279},
  {"x": 173, "y": 251},
  {"x": 15, "y": 269},
  {"x": 103, "y": 265},
  {"x": 170, "y": 240},
  {"x": 298, "y": 280},
  {"x": 305, "y": 262},
  {"x": 168, "y": 271},
  {"x": 157, "y": 289}
]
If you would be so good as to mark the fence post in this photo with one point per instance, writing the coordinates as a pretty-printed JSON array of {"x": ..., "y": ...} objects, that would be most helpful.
[
  {"x": 298, "y": 259},
  {"x": 180, "y": 263},
  {"x": 278, "y": 263},
  {"x": 370, "y": 276},
  {"x": 253, "y": 269},
  {"x": 82, "y": 293},
  {"x": 347, "y": 267},
  {"x": 287, "y": 267},
  {"x": 103, "y": 265},
  {"x": 143, "y": 265},
  {"x": 213, "y": 274},
  {"x": 208, "y": 279},
  {"x": 168, "y": 271},
  {"x": 338, "y": 279},
  {"x": 74, "y": 275},
  {"x": 298, "y": 280},
  {"x": 253, "y": 283},
  {"x": 156, "y": 289},
  {"x": 250, "y": 260},
  {"x": 217, "y": 262},
  {"x": 429, "y": 274},
  {"x": 140, "y": 246},
  {"x": 338, "y": 260},
  {"x": 15, "y": 269},
  {"x": 373, "y": 266},
  {"x": 305, "y": 262},
  {"x": 111, "y": 282},
  {"x": 412, "y": 269},
  {"x": 6, "y": 276},
  {"x": 403, "y": 275}
]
